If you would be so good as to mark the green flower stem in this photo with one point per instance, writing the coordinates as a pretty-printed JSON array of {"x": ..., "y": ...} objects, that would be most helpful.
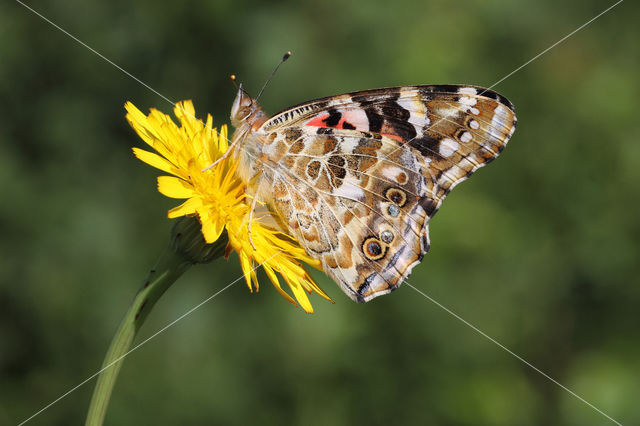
[{"x": 187, "y": 247}]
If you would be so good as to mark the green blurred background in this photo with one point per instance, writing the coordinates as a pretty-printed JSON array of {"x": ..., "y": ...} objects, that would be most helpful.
[{"x": 540, "y": 250}]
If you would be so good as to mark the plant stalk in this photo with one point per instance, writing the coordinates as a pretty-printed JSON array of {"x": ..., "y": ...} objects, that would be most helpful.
[{"x": 187, "y": 247}]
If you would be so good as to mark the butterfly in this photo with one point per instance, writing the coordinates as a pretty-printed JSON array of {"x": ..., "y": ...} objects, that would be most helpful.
[{"x": 357, "y": 177}]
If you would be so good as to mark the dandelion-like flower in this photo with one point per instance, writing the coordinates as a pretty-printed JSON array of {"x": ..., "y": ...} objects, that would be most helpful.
[{"x": 218, "y": 198}]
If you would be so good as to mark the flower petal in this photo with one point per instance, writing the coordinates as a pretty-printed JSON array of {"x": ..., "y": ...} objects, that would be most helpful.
[
  {"x": 155, "y": 160},
  {"x": 211, "y": 228},
  {"x": 300, "y": 295},
  {"x": 188, "y": 207},
  {"x": 245, "y": 264},
  {"x": 276, "y": 283},
  {"x": 174, "y": 187}
]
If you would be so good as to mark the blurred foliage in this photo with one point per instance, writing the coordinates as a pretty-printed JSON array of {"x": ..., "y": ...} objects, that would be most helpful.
[{"x": 540, "y": 250}]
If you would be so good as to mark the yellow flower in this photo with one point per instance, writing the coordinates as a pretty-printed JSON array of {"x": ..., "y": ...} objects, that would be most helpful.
[{"x": 217, "y": 197}]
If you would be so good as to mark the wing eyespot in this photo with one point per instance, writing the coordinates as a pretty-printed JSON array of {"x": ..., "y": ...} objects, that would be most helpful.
[
  {"x": 373, "y": 248},
  {"x": 387, "y": 236},
  {"x": 402, "y": 178},
  {"x": 396, "y": 195}
]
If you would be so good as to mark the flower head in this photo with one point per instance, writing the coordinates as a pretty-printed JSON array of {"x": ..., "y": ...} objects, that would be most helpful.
[{"x": 217, "y": 197}]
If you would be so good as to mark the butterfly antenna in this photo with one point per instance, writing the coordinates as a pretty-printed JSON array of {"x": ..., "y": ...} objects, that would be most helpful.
[
  {"x": 232, "y": 77},
  {"x": 284, "y": 58}
]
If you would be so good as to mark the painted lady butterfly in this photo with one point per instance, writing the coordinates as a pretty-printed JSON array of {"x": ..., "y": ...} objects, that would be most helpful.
[{"x": 357, "y": 177}]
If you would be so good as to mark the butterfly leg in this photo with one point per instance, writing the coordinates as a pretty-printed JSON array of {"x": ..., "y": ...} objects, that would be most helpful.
[
  {"x": 254, "y": 203},
  {"x": 212, "y": 165},
  {"x": 253, "y": 207},
  {"x": 225, "y": 155}
]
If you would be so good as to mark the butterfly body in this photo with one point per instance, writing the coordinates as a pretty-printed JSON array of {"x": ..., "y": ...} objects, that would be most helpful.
[{"x": 356, "y": 177}]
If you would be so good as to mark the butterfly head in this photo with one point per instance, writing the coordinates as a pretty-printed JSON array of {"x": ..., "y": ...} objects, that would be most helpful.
[{"x": 245, "y": 109}]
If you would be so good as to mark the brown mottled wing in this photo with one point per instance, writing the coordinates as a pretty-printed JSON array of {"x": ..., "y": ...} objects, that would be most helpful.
[{"x": 363, "y": 173}]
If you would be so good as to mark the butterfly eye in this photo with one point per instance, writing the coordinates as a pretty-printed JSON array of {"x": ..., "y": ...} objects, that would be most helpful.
[
  {"x": 242, "y": 107},
  {"x": 243, "y": 112},
  {"x": 372, "y": 249},
  {"x": 396, "y": 196}
]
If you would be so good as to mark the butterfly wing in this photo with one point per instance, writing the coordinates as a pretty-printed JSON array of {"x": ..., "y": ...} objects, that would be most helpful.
[{"x": 359, "y": 175}]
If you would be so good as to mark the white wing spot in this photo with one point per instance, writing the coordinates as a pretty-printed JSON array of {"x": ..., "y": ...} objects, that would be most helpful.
[
  {"x": 348, "y": 144},
  {"x": 407, "y": 104},
  {"x": 392, "y": 171},
  {"x": 494, "y": 133},
  {"x": 448, "y": 147},
  {"x": 467, "y": 91},
  {"x": 466, "y": 100},
  {"x": 465, "y": 137},
  {"x": 474, "y": 125},
  {"x": 501, "y": 110},
  {"x": 474, "y": 111},
  {"x": 500, "y": 117},
  {"x": 489, "y": 148},
  {"x": 357, "y": 118},
  {"x": 349, "y": 190},
  {"x": 498, "y": 122},
  {"x": 417, "y": 113}
]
